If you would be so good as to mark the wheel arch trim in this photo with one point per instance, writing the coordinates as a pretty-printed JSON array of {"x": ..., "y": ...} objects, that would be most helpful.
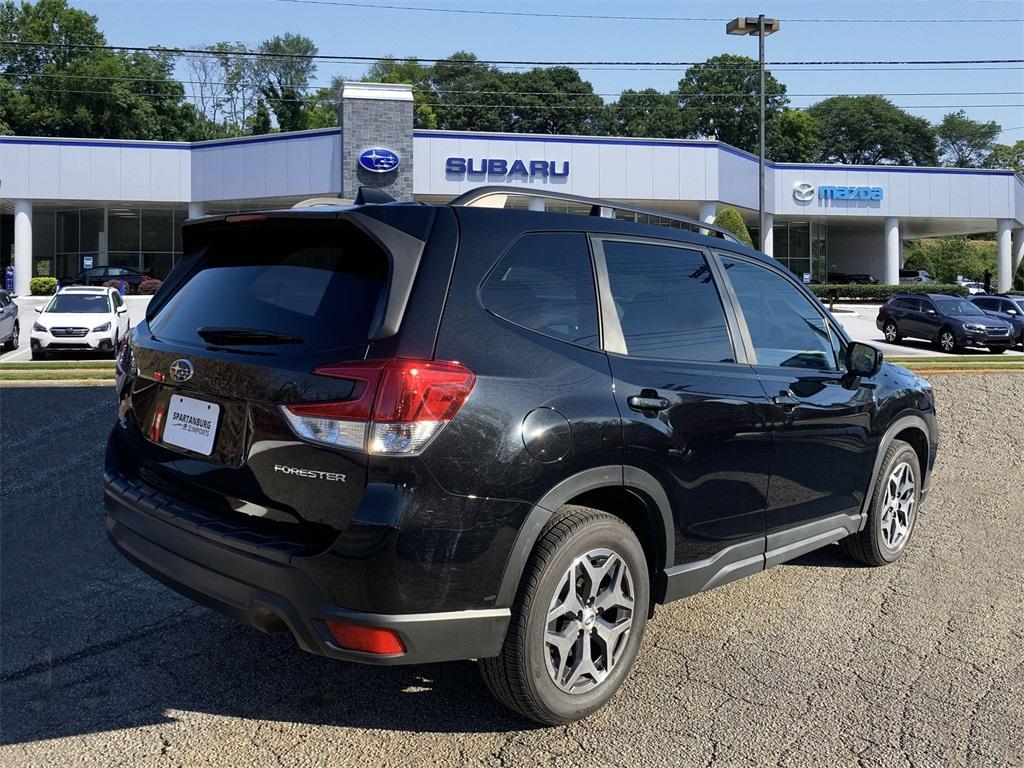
[
  {"x": 908, "y": 421},
  {"x": 595, "y": 478}
]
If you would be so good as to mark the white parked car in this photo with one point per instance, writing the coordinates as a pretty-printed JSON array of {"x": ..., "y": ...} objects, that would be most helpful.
[
  {"x": 974, "y": 288},
  {"x": 82, "y": 318}
]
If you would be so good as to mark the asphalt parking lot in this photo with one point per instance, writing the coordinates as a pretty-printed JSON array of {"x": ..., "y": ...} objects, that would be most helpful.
[{"x": 817, "y": 662}]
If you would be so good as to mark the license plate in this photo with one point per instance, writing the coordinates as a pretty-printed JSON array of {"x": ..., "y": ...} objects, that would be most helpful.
[{"x": 191, "y": 424}]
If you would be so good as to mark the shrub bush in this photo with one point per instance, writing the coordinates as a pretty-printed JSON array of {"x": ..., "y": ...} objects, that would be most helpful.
[
  {"x": 116, "y": 285},
  {"x": 730, "y": 219},
  {"x": 42, "y": 286},
  {"x": 149, "y": 287},
  {"x": 882, "y": 292}
]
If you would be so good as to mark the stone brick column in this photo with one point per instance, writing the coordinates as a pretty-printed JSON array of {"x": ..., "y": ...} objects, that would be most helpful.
[{"x": 376, "y": 115}]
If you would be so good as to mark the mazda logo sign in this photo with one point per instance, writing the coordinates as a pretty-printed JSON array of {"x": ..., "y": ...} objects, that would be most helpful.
[
  {"x": 803, "y": 192},
  {"x": 181, "y": 370}
]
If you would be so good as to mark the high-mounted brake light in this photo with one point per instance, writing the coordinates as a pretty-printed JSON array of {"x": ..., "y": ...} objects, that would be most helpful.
[
  {"x": 241, "y": 218},
  {"x": 396, "y": 406}
]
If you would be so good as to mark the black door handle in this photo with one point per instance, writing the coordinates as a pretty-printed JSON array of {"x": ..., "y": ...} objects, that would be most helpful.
[
  {"x": 786, "y": 401},
  {"x": 648, "y": 400}
]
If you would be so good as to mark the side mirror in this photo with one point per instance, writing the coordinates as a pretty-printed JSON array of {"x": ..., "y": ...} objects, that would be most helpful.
[
  {"x": 1012, "y": 312},
  {"x": 930, "y": 311},
  {"x": 122, "y": 310},
  {"x": 863, "y": 359},
  {"x": 39, "y": 310}
]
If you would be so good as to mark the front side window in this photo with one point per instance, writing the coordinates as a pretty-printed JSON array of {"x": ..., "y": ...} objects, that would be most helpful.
[
  {"x": 545, "y": 282},
  {"x": 786, "y": 329},
  {"x": 667, "y": 302}
]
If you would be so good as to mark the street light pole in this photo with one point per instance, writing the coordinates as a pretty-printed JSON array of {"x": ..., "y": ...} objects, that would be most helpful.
[{"x": 762, "y": 27}]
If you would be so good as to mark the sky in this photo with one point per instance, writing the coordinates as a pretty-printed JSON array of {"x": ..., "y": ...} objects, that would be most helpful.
[{"x": 844, "y": 34}]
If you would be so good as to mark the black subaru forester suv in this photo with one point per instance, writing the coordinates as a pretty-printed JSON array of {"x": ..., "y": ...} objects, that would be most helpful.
[{"x": 412, "y": 433}]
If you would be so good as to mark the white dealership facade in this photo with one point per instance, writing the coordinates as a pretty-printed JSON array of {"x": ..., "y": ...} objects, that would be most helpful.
[{"x": 69, "y": 203}]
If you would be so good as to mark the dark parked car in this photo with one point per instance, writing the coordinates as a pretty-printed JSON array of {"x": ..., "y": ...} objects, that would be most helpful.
[
  {"x": 1009, "y": 309},
  {"x": 951, "y": 322},
  {"x": 860, "y": 278},
  {"x": 414, "y": 433},
  {"x": 100, "y": 275},
  {"x": 10, "y": 330}
]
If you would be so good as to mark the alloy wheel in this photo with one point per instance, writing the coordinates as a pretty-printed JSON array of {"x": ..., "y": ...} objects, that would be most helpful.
[
  {"x": 588, "y": 621},
  {"x": 898, "y": 506},
  {"x": 946, "y": 341},
  {"x": 15, "y": 337},
  {"x": 890, "y": 332}
]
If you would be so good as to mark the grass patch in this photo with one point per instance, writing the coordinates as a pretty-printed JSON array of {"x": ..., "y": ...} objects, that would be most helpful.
[
  {"x": 67, "y": 374},
  {"x": 903, "y": 359},
  {"x": 58, "y": 365}
]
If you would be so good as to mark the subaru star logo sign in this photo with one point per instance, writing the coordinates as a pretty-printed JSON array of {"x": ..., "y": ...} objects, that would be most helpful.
[
  {"x": 803, "y": 192},
  {"x": 379, "y": 159},
  {"x": 181, "y": 370}
]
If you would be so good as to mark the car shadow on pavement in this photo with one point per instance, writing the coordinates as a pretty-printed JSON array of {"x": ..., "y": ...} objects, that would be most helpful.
[
  {"x": 826, "y": 557},
  {"x": 198, "y": 661}
]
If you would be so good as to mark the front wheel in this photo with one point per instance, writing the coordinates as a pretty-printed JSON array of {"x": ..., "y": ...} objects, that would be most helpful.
[
  {"x": 12, "y": 343},
  {"x": 947, "y": 341},
  {"x": 38, "y": 354},
  {"x": 893, "y": 512},
  {"x": 577, "y": 621},
  {"x": 997, "y": 350}
]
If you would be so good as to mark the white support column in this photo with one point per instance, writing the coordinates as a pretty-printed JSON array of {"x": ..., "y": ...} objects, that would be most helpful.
[
  {"x": 892, "y": 251},
  {"x": 707, "y": 214},
  {"x": 1004, "y": 277},
  {"x": 1016, "y": 250},
  {"x": 769, "y": 234},
  {"x": 195, "y": 210},
  {"x": 536, "y": 204},
  {"x": 22, "y": 246}
]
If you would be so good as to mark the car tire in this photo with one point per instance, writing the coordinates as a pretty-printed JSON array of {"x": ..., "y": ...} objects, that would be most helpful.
[
  {"x": 895, "y": 502},
  {"x": 891, "y": 331},
  {"x": 12, "y": 343},
  {"x": 996, "y": 350},
  {"x": 553, "y": 683},
  {"x": 946, "y": 341},
  {"x": 38, "y": 354}
]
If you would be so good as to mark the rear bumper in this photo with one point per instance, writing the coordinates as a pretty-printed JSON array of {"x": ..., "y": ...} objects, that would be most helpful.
[{"x": 273, "y": 595}]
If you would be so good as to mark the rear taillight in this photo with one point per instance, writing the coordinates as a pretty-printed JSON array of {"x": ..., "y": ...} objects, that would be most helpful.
[
  {"x": 396, "y": 406},
  {"x": 357, "y": 637}
]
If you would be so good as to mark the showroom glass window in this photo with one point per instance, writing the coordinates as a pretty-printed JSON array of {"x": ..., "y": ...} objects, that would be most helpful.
[
  {"x": 786, "y": 329},
  {"x": 667, "y": 303},
  {"x": 545, "y": 282}
]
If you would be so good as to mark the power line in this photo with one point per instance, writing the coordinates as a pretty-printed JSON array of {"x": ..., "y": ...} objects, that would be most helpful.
[
  {"x": 604, "y": 17},
  {"x": 246, "y": 53}
]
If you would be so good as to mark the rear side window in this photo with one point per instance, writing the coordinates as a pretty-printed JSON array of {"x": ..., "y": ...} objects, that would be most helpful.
[
  {"x": 315, "y": 287},
  {"x": 667, "y": 303},
  {"x": 785, "y": 328},
  {"x": 545, "y": 282}
]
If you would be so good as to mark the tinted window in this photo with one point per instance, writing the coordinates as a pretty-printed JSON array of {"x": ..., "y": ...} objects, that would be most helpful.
[
  {"x": 545, "y": 283},
  {"x": 785, "y": 327},
  {"x": 319, "y": 284},
  {"x": 87, "y": 303},
  {"x": 957, "y": 307},
  {"x": 984, "y": 303},
  {"x": 667, "y": 302}
]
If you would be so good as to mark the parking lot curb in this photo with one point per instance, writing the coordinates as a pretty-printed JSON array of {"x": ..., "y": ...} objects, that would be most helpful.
[{"x": 59, "y": 383}]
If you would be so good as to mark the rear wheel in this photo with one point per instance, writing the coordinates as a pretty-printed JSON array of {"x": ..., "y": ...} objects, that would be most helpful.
[
  {"x": 893, "y": 512},
  {"x": 577, "y": 621},
  {"x": 12, "y": 343},
  {"x": 947, "y": 341},
  {"x": 891, "y": 332}
]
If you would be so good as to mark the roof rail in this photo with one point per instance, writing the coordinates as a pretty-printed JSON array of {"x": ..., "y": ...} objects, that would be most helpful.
[{"x": 477, "y": 198}]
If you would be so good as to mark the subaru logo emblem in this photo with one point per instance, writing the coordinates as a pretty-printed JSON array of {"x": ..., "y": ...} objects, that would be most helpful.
[
  {"x": 803, "y": 192},
  {"x": 379, "y": 159},
  {"x": 181, "y": 370}
]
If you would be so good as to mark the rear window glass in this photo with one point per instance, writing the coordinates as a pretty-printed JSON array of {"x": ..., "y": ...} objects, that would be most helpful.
[
  {"x": 84, "y": 303},
  {"x": 545, "y": 282},
  {"x": 315, "y": 286}
]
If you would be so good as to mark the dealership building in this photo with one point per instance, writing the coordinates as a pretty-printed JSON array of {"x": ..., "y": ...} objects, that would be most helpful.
[{"x": 66, "y": 204}]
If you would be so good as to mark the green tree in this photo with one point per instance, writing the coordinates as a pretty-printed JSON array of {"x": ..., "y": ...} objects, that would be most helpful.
[
  {"x": 259, "y": 122},
  {"x": 647, "y": 113},
  {"x": 1007, "y": 156},
  {"x": 553, "y": 100},
  {"x": 85, "y": 92},
  {"x": 965, "y": 143},
  {"x": 391, "y": 70},
  {"x": 730, "y": 219},
  {"x": 872, "y": 130},
  {"x": 946, "y": 258},
  {"x": 719, "y": 99},
  {"x": 284, "y": 74},
  {"x": 470, "y": 96},
  {"x": 794, "y": 136}
]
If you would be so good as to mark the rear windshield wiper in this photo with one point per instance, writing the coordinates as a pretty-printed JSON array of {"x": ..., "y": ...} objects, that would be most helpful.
[{"x": 224, "y": 336}]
